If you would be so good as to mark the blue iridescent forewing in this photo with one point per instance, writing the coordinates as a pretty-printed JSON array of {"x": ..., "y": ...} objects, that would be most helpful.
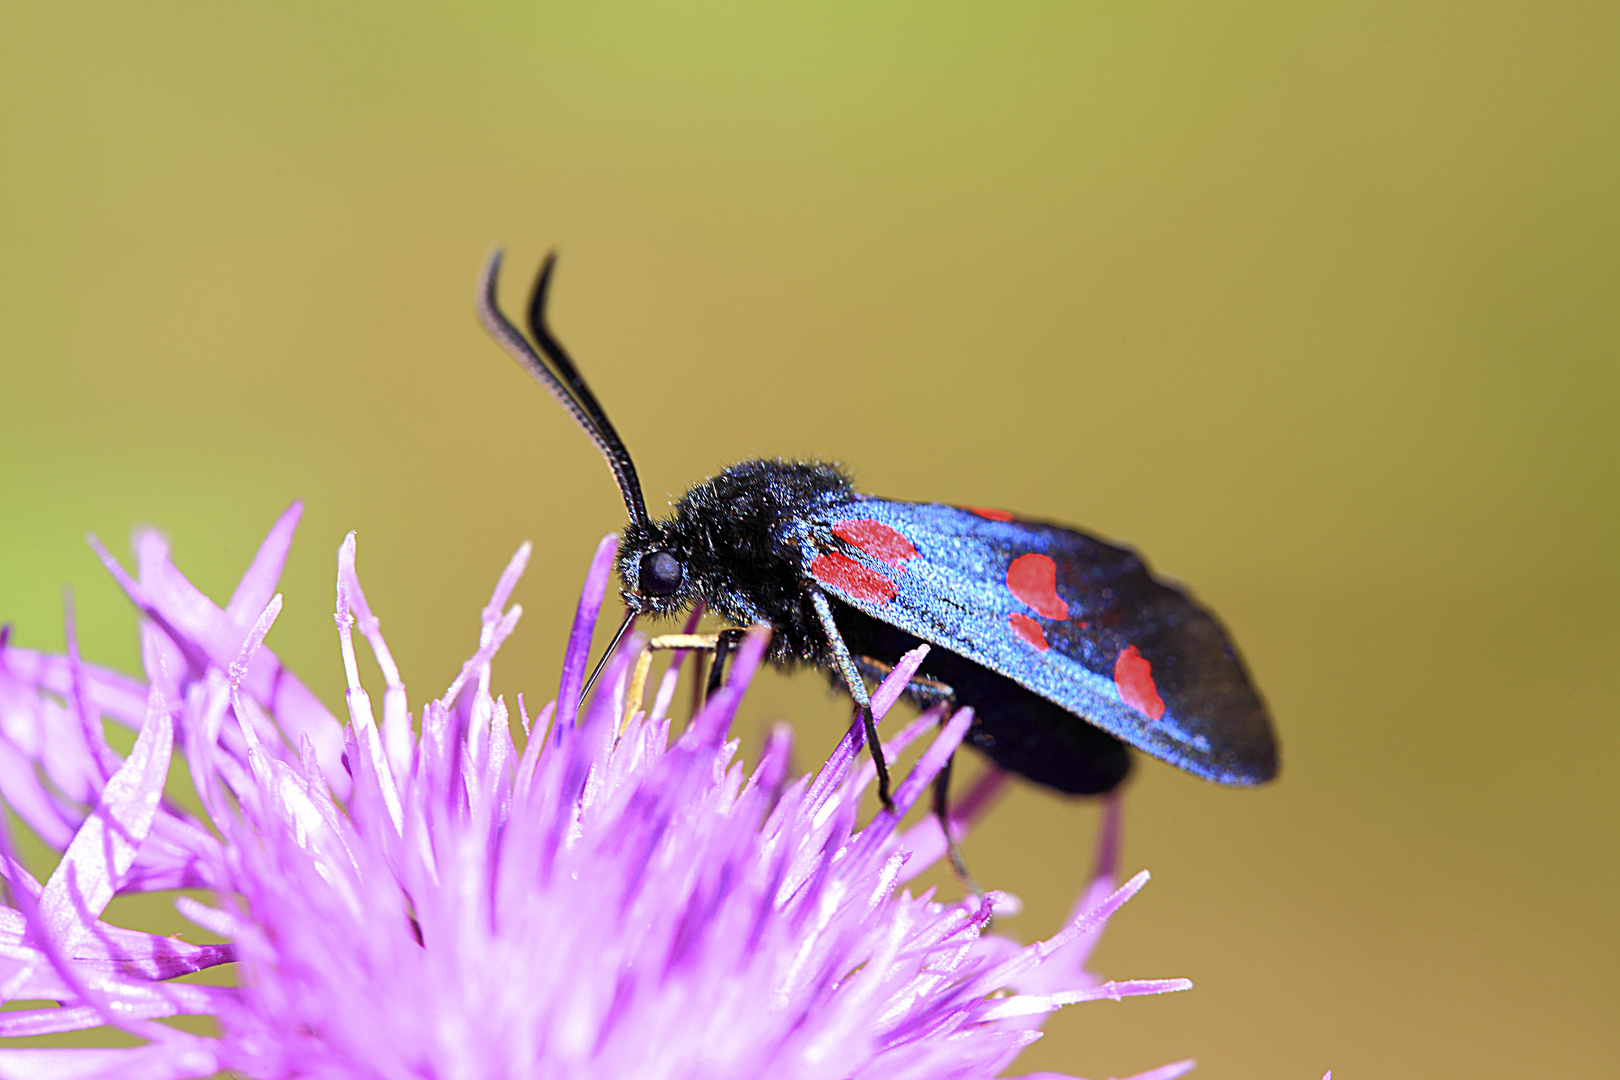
[{"x": 1079, "y": 622}]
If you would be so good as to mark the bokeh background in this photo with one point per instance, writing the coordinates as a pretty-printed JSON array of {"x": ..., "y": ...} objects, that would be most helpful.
[{"x": 1319, "y": 306}]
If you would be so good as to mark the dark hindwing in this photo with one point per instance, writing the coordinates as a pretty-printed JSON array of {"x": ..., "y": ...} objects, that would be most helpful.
[{"x": 1079, "y": 622}]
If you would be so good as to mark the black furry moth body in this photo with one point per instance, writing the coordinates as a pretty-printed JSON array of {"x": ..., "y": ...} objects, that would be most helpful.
[{"x": 1067, "y": 647}]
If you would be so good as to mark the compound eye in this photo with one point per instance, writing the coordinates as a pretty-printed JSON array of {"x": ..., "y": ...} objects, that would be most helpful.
[{"x": 661, "y": 573}]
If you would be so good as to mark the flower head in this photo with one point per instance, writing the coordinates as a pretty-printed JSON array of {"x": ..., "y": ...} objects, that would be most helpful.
[{"x": 424, "y": 899}]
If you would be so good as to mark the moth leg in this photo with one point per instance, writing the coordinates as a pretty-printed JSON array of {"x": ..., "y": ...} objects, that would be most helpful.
[
  {"x": 851, "y": 674},
  {"x": 725, "y": 642},
  {"x": 638, "y": 688},
  {"x": 942, "y": 812},
  {"x": 705, "y": 642},
  {"x": 721, "y": 644},
  {"x": 695, "y": 643},
  {"x": 930, "y": 692}
]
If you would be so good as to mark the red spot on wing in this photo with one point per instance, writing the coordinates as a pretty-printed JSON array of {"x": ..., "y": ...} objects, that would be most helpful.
[
  {"x": 1133, "y": 674},
  {"x": 877, "y": 540},
  {"x": 1028, "y": 629},
  {"x": 1033, "y": 579},
  {"x": 993, "y": 515},
  {"x": 848, "y": 576}
]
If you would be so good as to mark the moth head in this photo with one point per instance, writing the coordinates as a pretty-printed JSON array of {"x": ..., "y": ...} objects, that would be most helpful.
[{"x": 654, "y": 570}]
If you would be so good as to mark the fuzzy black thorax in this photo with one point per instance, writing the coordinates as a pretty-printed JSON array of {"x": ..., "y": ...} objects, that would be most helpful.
[{"x": 738, "y": 537}]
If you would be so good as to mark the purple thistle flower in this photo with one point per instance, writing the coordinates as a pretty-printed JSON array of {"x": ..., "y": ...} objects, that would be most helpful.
[{"x": 407, "y": 900}]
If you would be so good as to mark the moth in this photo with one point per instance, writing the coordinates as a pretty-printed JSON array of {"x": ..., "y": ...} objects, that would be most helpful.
[{"x": 1067, "y": 647}]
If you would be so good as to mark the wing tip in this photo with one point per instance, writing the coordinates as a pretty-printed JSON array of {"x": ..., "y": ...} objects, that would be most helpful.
[{"x": 1248, "y": 769}]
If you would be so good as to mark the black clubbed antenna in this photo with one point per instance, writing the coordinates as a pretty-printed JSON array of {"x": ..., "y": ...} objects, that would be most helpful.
[{"x": 560, "y": 378}]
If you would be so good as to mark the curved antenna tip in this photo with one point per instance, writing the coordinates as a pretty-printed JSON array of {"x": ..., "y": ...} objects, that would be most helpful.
[
  {"x": 491, "y": 272},
  {"x": 537, "y": 299}
]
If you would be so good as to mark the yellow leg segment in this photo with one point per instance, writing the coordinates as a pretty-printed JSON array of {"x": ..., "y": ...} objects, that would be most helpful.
[{"x": 665, "y": 642}]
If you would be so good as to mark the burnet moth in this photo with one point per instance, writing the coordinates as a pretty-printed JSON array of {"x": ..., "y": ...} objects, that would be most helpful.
[{"x": 1066, "y": 647}]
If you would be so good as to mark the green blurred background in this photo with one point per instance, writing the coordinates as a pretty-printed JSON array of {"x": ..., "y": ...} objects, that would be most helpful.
[{"x": 1319, "y": 306}]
